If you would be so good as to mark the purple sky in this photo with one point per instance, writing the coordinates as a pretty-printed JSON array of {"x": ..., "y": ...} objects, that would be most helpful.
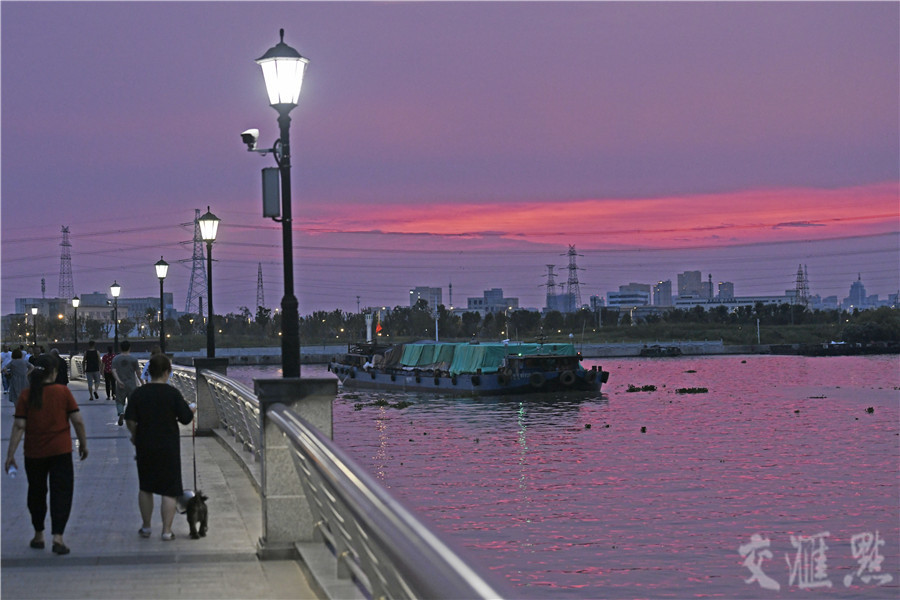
[{"x": 463, "y": 142}]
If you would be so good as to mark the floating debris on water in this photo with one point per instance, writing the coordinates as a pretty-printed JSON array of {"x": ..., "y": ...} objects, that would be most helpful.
[
  {"x": 870, "y": 410},
  {"x": 643, "y": 388},
  {"x": 691, "y": 390},
  {"x": 690, "y": 371},
  {"x": 643, "y": 430}
]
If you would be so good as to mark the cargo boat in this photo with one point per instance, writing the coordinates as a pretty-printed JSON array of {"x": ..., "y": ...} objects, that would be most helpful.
[{"x": 471, "y": 369}]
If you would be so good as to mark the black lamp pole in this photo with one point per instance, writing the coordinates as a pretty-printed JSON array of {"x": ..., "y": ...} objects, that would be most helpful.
[
  {"x": 209, "y": 226},
  {"x": 283, "y": 70},
  {"x": 162, "y": 268},
  {"x": 115, "y": 289},
  {"x": 210, "y": 325},
  {"x": 75, "y": 302}
]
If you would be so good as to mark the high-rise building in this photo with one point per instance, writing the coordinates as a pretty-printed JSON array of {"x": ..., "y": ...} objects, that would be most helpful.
[
  {"x": 662, "y": 293},
  {"x": 432, "y": 295},
  {"x": 726, "y": 290},
  {"x": 690, "y": 283},
  {"x": 857, "y": 297}
]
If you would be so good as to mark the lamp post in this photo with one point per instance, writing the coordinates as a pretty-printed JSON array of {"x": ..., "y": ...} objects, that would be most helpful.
[
  {"x": 283, "y": 69},
  {"x": 75, "y": 302},
  {"x": 115, "y": 289},
  {"x": 162, "y": 269},
  {"x": 209, "y": 226},
  {"x": 34, "y": 311}
]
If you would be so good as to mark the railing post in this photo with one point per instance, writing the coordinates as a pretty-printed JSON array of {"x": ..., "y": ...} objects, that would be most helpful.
[
  {"x": 286, "y": 517},
  {"x": 207, "y": 415}
]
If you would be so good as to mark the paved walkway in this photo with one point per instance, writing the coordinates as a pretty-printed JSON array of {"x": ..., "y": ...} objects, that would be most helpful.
[{"x": 109, "y": 559}]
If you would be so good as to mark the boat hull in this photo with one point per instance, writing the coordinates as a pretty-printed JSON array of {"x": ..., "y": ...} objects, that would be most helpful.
[{"x": 466, "y": 384}]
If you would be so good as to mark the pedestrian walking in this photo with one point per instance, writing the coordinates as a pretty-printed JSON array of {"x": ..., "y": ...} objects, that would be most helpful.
[
  {"x": 92, "y": 369},
  {"x": 127, "y": 372},
  {"x": 43, "y": 416},
  {"x": 17, "y": 371},
  {"x": 5, "y": 359},
  {"x": 153, "y": 414},
  {"x": 108, "y": 378},
  {"x": 62, "y": 367}
]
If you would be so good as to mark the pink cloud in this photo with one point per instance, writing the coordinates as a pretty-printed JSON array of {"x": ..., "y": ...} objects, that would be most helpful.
[{"x": 671, "y": 222}]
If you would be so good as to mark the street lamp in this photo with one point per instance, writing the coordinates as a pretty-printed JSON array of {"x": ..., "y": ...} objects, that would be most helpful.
[
  {"x": 162, "y": 268},
  {"x": 34, "y": 311},
  {"x": 115, "y": 289},
  {"x": 209, "y": 226},
  {"x": 283, "y": 69},
  {"x": 75, "y": 302}
]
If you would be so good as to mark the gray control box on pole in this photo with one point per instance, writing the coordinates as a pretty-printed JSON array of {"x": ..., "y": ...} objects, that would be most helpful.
[{"x": 271, "y": 184}]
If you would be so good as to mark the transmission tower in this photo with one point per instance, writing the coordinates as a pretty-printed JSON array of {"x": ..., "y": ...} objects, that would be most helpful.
[
  {"x": 802, "y": 292},
  {"x": 552, "y": 303},
  {"x": 260, "y": 298},
  {"x": 573, "y": 290},
  {"x": 197, "y": 287},
  {"x": 66, "y": 287}
]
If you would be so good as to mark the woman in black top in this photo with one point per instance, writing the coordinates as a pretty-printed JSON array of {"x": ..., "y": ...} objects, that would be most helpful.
[{"x": 153, "y": 413}]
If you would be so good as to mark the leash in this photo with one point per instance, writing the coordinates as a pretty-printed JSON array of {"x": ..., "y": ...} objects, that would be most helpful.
[{"x": 194, "y": 450}]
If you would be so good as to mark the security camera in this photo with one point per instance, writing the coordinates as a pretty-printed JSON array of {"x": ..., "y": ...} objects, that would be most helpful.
[{"x": 249, "y": 137}]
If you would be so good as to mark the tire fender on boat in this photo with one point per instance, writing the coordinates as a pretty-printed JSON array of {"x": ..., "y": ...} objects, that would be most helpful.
[
  {"x": 604, "y": 377},
  {"x": 503, "y": 378},
  {"x": 352, "y": 373},
  {"x": 567, "y": 378},
  {"x": 537, "y": 380},
  {"x": 476, "y": 380},
  {"x": 437, "y": 381},
  {"x": 590, "y": 376},
  {"x": 373, "y": 373}
]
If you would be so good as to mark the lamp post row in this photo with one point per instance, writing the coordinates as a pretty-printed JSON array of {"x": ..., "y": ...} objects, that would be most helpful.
[{"x": 283, "y": 70}]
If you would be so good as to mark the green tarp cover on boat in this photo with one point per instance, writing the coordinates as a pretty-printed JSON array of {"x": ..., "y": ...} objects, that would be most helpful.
[{"x": 468, "y": 358}]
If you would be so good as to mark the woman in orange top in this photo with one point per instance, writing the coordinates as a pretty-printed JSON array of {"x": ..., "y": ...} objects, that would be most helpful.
[{"x": 43, "y": 414}]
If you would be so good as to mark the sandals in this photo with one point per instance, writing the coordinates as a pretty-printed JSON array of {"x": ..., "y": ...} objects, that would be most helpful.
[
  {"x": 60, "y": 548},
  {"x": 168, "y": 537},
  {"x": 144, "y": 532}
]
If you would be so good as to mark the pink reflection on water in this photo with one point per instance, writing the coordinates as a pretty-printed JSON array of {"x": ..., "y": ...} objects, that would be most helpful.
[{"x": 779, "y": 446}]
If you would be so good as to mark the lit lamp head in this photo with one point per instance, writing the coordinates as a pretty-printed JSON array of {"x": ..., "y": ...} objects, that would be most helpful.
[
  {"x": 209, "y": 226},
  {"x": 76, "y": 301},
  {"x": 115, "y": 289},
  {"x": 34, "y": 310},
  {"x": 283, "y": 69},
  {"x": 162, "y": 268}
]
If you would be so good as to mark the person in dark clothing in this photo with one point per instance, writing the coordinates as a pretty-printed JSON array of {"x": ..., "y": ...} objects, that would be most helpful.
[
  {"x": 92, "y": 369},
  {"x": 153, "y": 413},
  {"x": 107, "y": 359},
  {"x": 62, "y": 368}
]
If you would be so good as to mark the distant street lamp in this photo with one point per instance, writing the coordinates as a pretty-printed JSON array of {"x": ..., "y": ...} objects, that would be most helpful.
[
  {"x": 115, "y": 289},
  {"x": 209, "y": 226},
  {"x": 283, "y": 69},
  {"x": 162, "y": 268},
  {"x": 75, "y": 302},
  {"x": 34, "y": 311}
]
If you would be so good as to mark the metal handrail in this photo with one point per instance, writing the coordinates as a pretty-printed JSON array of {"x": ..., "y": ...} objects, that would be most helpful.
[
  {"x": 238, "y": 410},
  {"x": 370, "y": 531}
]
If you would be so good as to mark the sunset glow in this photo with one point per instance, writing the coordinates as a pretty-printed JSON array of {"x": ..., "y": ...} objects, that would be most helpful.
[{"x": 673, "y": 222}]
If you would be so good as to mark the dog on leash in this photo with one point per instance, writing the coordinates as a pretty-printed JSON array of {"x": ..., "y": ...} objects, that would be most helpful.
[{"x": 197, "y": 515}]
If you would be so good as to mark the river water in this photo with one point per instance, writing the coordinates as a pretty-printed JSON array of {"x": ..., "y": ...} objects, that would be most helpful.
[{"x": 783, "y": 474}]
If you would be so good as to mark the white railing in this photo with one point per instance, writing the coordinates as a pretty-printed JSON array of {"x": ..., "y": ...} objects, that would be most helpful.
[{"x": 376, "y": 543}]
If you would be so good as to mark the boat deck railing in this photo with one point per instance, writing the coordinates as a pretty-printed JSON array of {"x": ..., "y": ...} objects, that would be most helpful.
[{"x": 374, "y": 542}]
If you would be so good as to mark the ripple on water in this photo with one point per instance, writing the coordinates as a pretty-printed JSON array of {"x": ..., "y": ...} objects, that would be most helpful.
[{"x": 780, "y": 445}]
